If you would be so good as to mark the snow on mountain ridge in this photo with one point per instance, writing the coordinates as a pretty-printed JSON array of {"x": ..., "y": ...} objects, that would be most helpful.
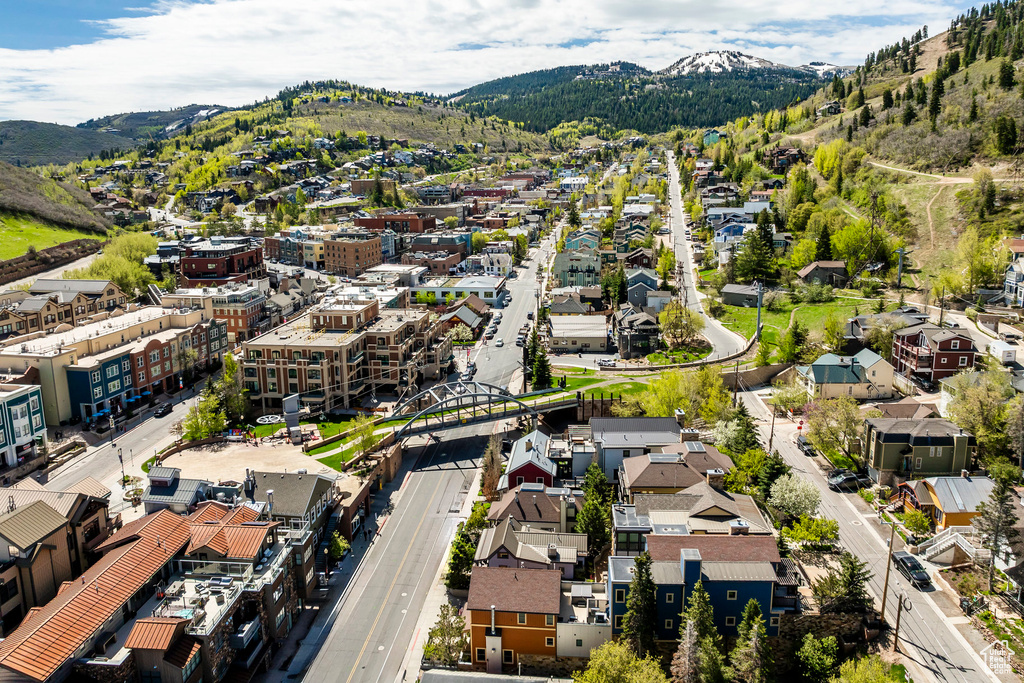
[{"x": 722, "y": 61}]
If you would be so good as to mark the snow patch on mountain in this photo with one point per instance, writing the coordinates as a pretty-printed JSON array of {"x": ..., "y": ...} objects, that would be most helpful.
[{"x": 716, "y": 62}]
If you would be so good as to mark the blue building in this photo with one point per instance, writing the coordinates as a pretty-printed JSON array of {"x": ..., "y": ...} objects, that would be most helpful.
[
  {"x": 732, "y": 569},
  {"x": 22, "y": 426}
]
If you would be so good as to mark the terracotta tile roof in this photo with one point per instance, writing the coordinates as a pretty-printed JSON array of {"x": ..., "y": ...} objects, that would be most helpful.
[
  {"x": 209, "y": 509},
  {"x": 535, "y": 591},
  {"x": 230, "y": 540},
  {"x": 153, "y": 633},
  {"x": 714, "y": 548},
  {"x": 52, "y": 635},
  {"x": 182, "y": 651}
]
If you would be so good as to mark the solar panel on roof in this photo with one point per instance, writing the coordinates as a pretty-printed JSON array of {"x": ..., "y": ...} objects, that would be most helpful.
[{"x": 695, "y": 447}]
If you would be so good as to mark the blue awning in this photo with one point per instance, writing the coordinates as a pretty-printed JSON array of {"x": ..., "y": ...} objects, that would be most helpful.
[{"x": 146, "y": 393}]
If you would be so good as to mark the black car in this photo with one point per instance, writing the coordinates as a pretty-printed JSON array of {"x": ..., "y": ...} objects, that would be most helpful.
[
  {"x": 847, "y": 481},
  {"x": 163, "y": 410},
  {"x": 805, "y": 446},
  {"x": 908, "y": 565}
]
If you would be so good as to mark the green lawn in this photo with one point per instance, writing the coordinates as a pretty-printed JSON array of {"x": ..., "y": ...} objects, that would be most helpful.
[
  {"x": 17, "y": 232},
  {"x": 623, "y": 388},
  {"x": 774, "y": 324},
  {"x": 336, "y": 460},
  {"x": 329, "y": 426},
  {"x": 577, "y": 383},
  {"x": 572, "y": 370}
]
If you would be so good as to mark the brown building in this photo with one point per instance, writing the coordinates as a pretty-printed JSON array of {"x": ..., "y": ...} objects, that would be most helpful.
[
  {"x": 218, "y": 262},
  {"x": 52, "y": 303},
  {"x": 334, "y": 355},
  {"x": 351, "y": 256},
  {"x": 364, "y": 186},
  {"x": 399, "y": 222},
  {"x": 932, "y": 352},
  {"x": 512, "y": 612},
  {"x": 438, "y": 262},
  {"x": 35, "y": 559}
]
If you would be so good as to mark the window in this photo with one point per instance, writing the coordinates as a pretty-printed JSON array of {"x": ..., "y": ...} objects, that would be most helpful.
[
  {"x": 508, "y": 657},
  {"x": 668, "y": 624},
  {"x": 730, "y": 621},
  {"x": 774, "y": 621},
  {"x": 142, "y": 376},
  {"x": 111, "y": 371},
  {"x": 618, "y": 621},
  {"x": 126, "y": 364},
  {"x": 191, "y": 665},
  {"x": 521, "y": 618},
  {"x": 141, "y": 362},
  {"x": 549, "y": 619},
  {"x": 154, "y": 357},
  {"x": 150, "y": 676},
  {"x": 620, "y": 595},
  {"x": 167, "y": 366},
  {"x": 670, "y": 598},
  {"x": 97, "y": 393},
  {"x": 36, "y": 422},
  {"x": 9, "y": 590},
  {"x": 549, "y": 642},
  {"x": 280, "y": 618},
  {"x": 480, "y": 654},
  {"x": 944, "y": 360},
  {"x": 963, "y": 361},
  {"x": 579, "y": 642},
  {"x": 34, "y": 402},
  {"x": 730, "y": 595},
  {"x": 278, "y": 592},
  {"x": 96, "y": 377},
  {"x": 128, "y": 380},
  {"x": 954, "y": 345},
  {"x": 114, "y": 386}
]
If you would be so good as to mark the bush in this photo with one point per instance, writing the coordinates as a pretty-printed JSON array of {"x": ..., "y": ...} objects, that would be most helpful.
[
  {"x": 917, "y": 522},
  {"x": 816, "y": 294},
  {"x": 868, "y": 495}
]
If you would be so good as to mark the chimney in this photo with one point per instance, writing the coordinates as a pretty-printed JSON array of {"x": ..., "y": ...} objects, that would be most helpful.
[
  {"x": 738, "y": 527},
  {"x": 492, "y": 620},
  {"x": 965, "y": 474},
  {"x": 552, "y": 551},
  {"x": 715, "y": 478},
  {"x": 529, "y": 445}
]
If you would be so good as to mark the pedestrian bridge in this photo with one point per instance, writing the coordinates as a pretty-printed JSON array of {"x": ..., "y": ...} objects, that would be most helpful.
[{"x": 458, "y": 404}]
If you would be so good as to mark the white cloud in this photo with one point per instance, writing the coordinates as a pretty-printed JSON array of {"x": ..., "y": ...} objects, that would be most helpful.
[{"x": 233, "y": 52}]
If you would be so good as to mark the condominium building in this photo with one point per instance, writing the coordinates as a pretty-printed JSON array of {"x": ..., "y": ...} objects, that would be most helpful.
[
  {"x": 350, "y": 254},
  {"x": 218, "y": 261},
  {"x": 344, "y": 350},
  {"x": 401, "y": 222},
  {"x": 108, "y": 366},
  {"x": 241, "y": 306}
]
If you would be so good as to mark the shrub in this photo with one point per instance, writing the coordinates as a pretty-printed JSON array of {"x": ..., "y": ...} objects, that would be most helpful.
[
  {"x": 867, "y": 494},
  {"x": 917, "y": 522}
]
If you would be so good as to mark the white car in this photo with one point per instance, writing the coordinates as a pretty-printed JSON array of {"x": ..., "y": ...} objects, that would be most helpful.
[
  {"x": 500, "y": 342},
  {"x": 605, "y": 362}
]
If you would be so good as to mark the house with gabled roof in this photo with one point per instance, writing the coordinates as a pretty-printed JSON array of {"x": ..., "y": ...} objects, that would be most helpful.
[
  {"x": 932, "y": 352},
  {"x": 511, "y": 544},
  {"x": 865, "y": 376},
  {"x": 528, "y": 462}
]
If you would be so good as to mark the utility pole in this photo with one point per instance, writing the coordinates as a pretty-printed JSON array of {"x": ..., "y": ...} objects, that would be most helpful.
[
  {"x": 888, "y": 566},
  {"x": 735, "y": 382},
  {"x": 771, "y": 436},
  {"x": 760, "y": 293},
  {"x": 942, "y": 305},
  {"x": 904, "y": 604},
  {"x": 899, "y": 269}
]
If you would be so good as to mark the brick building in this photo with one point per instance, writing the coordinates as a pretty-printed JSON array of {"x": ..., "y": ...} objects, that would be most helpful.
[
  {"x": 402, "y": 222},
  {"x": 350, "y": 255},
  {"x": 218, "y": 262}
]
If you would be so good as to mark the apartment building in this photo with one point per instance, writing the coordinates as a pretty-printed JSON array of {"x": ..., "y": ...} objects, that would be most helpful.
[
  {"x": 218, "y": 261},
  {"x": 437, "y": 262},
  {"x": 241, "y": 306},
  {"x": 22, "y": 427},
  {"x": 451, "y": 242},
  {"x": 932, "y": 352},
  {"x": 106, "y": 367},
  {"x": 350, "y": 254},
  {"x": 400, "y": 222},
  {"x": 341, "y": 351},
  {"x": 52, "y": 303}
]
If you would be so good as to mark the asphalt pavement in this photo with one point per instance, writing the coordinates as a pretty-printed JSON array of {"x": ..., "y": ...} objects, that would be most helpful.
[
  {"x": 927, "y": 637},
  {"x": 365, "y": 637},
  {"x": 724, "y": 341}
]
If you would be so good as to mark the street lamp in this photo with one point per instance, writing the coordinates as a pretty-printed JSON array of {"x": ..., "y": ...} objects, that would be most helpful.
[{"x": 121, "y": 460}]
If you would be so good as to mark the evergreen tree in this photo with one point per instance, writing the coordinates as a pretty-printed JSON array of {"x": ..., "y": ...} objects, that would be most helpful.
[
  {"x": 686, "y": 661},
  {"x": 641, "y": 610},
  {"x": 541, "y": 370},
  {"x": 997, "y": 516},
  {"x": 887, "y": 99},
  {"x": 818, "y": 658},
  {"x": 595, "y": 485},
  {"x": 823, "y": 246},
  {"x": 752, "y": 659},
  {"x": 973, "y": 115},
  {"x": 574, "y": 215},
  {"x": 700, "y": 613},
  {"x": 844, "y": 590},
  {"x": 593, "y": 521},
  {"x": 621, "y": 285},
  {"x": 1007, "y": 75}
]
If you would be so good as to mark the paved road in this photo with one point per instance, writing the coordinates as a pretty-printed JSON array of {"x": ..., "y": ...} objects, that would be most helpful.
[
  {"x": 926, "y": 635},
  {"x": 374, "y": 623},
  {"x": 725, "y": 342}
]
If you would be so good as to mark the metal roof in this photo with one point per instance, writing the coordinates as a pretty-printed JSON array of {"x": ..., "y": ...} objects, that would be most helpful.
[
  {"x": 737, "y": 571},
  {"x": 26, "y": 526}
]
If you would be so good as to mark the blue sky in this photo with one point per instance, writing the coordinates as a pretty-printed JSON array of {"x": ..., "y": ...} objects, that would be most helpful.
[
  {"x": 66, "y": 61},
  {"x": 42, "y": 24}
]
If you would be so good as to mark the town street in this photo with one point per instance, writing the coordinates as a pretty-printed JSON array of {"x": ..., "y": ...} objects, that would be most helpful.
[
  {"x": 926, "y": 635},
  {"x": 725, "y": 342},
  {"x": 365, "y": 638}
]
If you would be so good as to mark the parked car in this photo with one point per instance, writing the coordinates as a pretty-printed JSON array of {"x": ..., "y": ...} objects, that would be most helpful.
[
  {"x": 466, "y": 376},
  {"x": 924, "y": 384},
  {"x": 606, "y": 363},
  {"x": 908, "y": 565},
  {"x": 500, "y": 342},
  {"x": 848, "y": 481},
  {"x": 164, "y": 410},
  {"x": 529, "y": 316},
  {"x": 804, "y": 445},
  {"x": 489, "y": 335}
]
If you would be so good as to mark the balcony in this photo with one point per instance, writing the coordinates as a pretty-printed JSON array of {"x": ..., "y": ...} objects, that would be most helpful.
[{"x": 357, "y": 358}]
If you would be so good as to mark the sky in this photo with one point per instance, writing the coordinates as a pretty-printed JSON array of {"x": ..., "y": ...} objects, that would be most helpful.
[{"x": 66, "y": 61}]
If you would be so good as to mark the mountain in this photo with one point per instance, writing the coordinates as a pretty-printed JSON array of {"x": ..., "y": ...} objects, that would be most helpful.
[
  {"x": 700, "y": 90},
  {"x": 148, "y": 125},
  {"x": 727, "y": 61},
  {"x": 30, "y": 143}
]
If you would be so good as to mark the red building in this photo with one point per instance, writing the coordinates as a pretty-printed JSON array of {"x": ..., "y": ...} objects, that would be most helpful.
[
  {"x": 932, "y": 352},
  {"x": 218, "y": 262},
  {"x": 399, "y": 222},
  {"x": 528, "y": 463}
]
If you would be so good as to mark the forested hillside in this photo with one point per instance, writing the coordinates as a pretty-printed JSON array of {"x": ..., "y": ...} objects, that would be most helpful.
[
  {"x": 30, "y": 143},
  {"x": 648, "y": 103}
]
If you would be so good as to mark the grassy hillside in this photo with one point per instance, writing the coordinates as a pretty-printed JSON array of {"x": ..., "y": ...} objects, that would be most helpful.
[
  {"x": 30, "y": 143},
  {"x": 147, "y": 125},
  {"x": 18, "y": 232},
  {"x": 24, "y": 193}
]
